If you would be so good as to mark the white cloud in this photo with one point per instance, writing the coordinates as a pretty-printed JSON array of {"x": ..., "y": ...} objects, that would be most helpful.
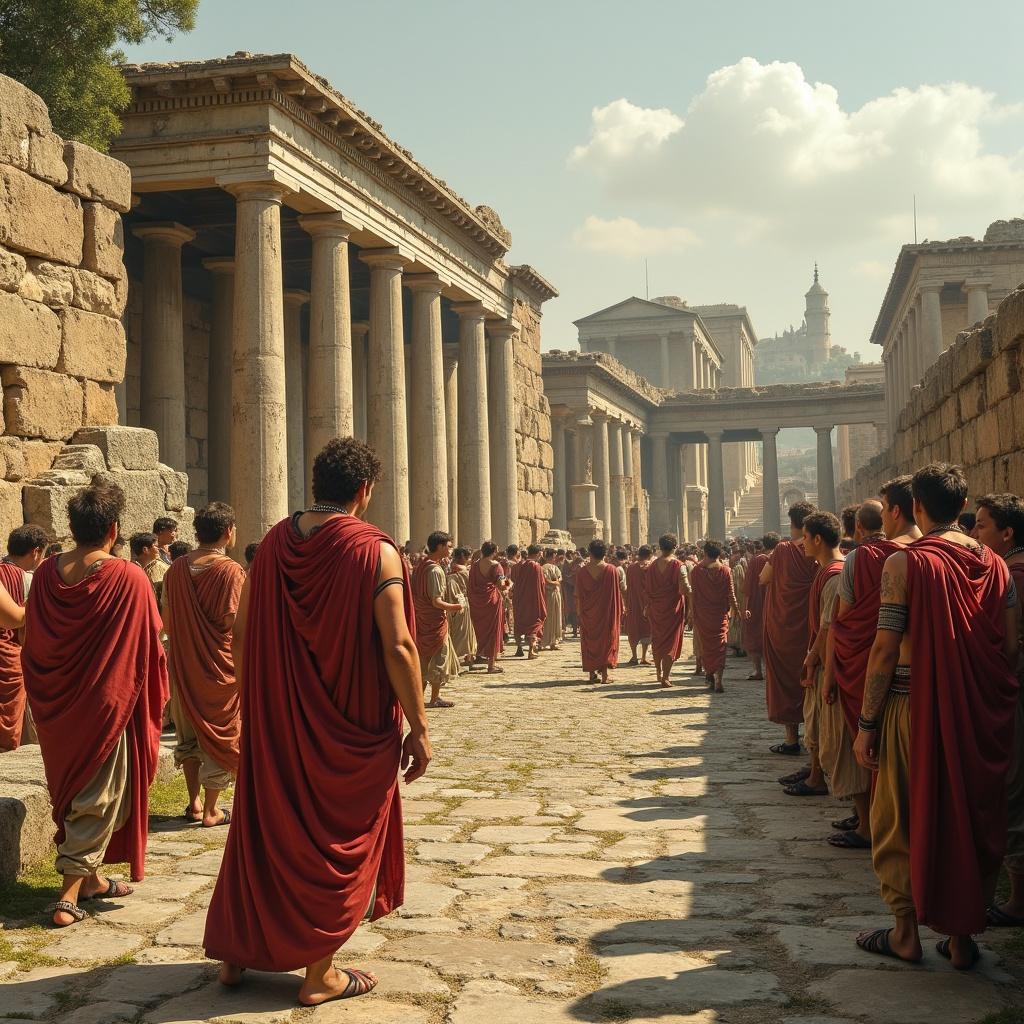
[
  {"x": 626, "y": 237},
  {"x": 770, "y": 156}
]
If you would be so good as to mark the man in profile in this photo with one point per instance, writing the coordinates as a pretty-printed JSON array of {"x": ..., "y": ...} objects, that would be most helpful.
[
  {"x": 145, "y": 550},
  {"x": 327, "y": 665},
  {"x": 96, "y": 679},
  {"x": 165, "y": 530},
  {"x": 429, "y": 582}
]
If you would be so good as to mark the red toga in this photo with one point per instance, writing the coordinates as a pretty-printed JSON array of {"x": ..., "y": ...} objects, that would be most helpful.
[
  {"x": 94, "y": 670},
  {"x": 198, "y": 605},
  {"x": 600, "y": 603},
  {"x": 753, "y": 642},
  {"x": 963, "y": 697},
  {"x": 711, "y": 585},
  {"x": 486, "y": 609},
  {"x": 12, "y": 683},
  {"x": 814, "y": 601},
  {"x": 317, "y": 827},
  {"x": 638, "y": 628},
  {"x": 853, "y": 633},
  {"x": 431, "y": 622},
  {"x": 665, "y": 608},
  {"x": 529, "y": 603},
  {"x": 785, "y": 630}
]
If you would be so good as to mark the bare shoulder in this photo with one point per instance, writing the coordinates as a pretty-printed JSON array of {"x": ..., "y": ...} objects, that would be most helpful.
[
  {"x": 390, "y": 560},
  {"x": 894, "y": 579}
]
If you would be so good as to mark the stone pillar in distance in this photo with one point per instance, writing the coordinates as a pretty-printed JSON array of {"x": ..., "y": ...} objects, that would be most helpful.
[
  {"x": 931, "y": 324},
  {"x": 560, "y": 518},
  {"x": 294, "y": 387},
  {"x": 162, "y": 371},
  {"x": 659, "y": 485},
  {"x": 617, "y": 491},
  {"x": 584, "y": 524},
  {"x": 770, "y": 488},
  {"x": 977, "y": 302},
  {"x": 501, "y": 403},
  {"x": 451, "y": 419},
  {"x": 222, "y": 274},
  {"x": 474, "y": 436},
  {"x": 826, "y": 473},
  {"x": 360, "y": 330},
  {"x": 716, "y": 486},
  {"x": 602, "y": 471}
]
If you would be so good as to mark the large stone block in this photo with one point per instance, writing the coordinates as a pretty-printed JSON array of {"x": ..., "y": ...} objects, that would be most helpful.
[
  {"x": 49, "y": 283},
  {"x": 46, "y": 158},
  {"x": 10, "y": 508},
  {"x": 103, "y": 245},
  {"x": 100, "y": 407},
  {"x": 86, "y": 459},
  {"x": 46, "y": 505},
  {"x": 39, "y": 456},
  {"x": 22, "y": 113},
  {"x": 949, "y": 414},
  {"x": 1015, "y": 472},
  {"x": 93, "y": 346},
  {"x": 1004, "y": 419},
  {"x": 123, "y": 447},
  {"x": 95, "y": 294},
  {"x": 29, "y": 332},
  {"x": 1001, "y": 379},
  {"x": 547, "y": 455},
  {"x": 1009, "y": 330},
  {"x": 144, "y": 497},
  {"x": 12, "y": 458},
  {"x": 38, "y": 403},
  {"x": 975, "y": 350},
  {"x": 38, "y": 220},
  {"x": 971, "y": 397},
  {"x": 98, "y": 177},
  {"x": 12, "y": 270},
  {"x": 175, "y": 489},
  {"x": 987, "y": 435}
]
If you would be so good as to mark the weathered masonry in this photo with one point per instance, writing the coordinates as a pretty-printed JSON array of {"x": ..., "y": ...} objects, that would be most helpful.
[{"x": 294, "y": 275}]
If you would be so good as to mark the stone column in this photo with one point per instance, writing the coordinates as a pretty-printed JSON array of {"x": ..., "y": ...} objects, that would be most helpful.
[
  {"x": 977, "y": 301},
  {"x": 385, "y": 393},
  {"x": 602, "y": 471},
  {"x": 659, "y": 485},
  {"x": 617, "y": 492},
  {"x": 931, "y": 321},
  {"x": 638, "y": 528},
  {"x": 360, "y": 330},
  {"x": 428, "y": 465},
  {"x": 259, "y": 430},
  {"x": 629, "y": 484},
  {"x": 451, "y": 419},
  {"x": 559, "y": 519},
  {"x": 826, "y": 474},
  {"x": 584, "y": 525},
  {"x": 218, "y": 417},
  {"x": 162, "y": 372},
  {"x": 298, "y": 466},
  {"x": 474, "y": 441},
  {"x": 770, "y": 487},
  {"x": 666, "y": 364},
  {"x": 329, "y": 388},
  {"x": 716, "y": 485},
  {"x": 502, "y": 406}
]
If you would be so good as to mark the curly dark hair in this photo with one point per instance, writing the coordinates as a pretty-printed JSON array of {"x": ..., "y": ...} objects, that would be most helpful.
[
  {"x": 25, "y": 539},
  {"x": 824, "y": 525},
  {"x": 341, "y": 468},
  {"x": 799, "y": 511},
  {"x": 213, "y": 521},
  {"x": 93, "y": 511}
]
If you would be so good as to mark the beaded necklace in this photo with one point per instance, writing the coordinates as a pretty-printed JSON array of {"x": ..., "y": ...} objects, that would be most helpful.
[{"x": 326, "y": 506}]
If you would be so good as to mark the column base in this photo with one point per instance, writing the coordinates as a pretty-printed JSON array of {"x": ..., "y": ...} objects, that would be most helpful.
[{"x": 585, "y": 530}]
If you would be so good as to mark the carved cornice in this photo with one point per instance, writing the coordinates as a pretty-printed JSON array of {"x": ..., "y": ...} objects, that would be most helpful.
[
  {"x": 530, "y": 280},
  {"x": 283, "y": 80}
]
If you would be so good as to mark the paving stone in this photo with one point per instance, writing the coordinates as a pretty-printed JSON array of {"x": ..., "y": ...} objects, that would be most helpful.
[
  {"x": 401, "y": 979},
  {"x": 421, "y": 925},
  {"x": 186, "y": 932},
  {"x": 427, "y": 899},
  {"x": 469, "y": 957},
  {"x": 696, "y": 933},
  {"x": 482, "y": 1002},
  {"x": 33, "y": 994},
  {"x": 505, "y": 835},
  {"x": 811, "y": 892},
  {"x": 910, "y": 997},
  {"x": 680, "y": 899},
  {"x": 542, "y": 867},
  {"x": 89, "y": 941},
  {"x": 101, "y": 1013},
  {"x": 368, "y": 1010},
  {"x": 134, "y": 913},
  {"x": 170, "y": 887},
  {"x": 205, "y": 864},
  {"x": 261, "y": 999},
  {"x": 502, "y": 810},
  {"x": 653, "y": 817},
  {"x": 487, "y": 884},
  {"x": 363, "y": 942},
  {"x": 431, "y": 833},
  {"x": 555, "y": 849},
  {"x": 145, "y": 983},
  {"x": 451, "y": 853},
  {"x": 165, "y": 955}
]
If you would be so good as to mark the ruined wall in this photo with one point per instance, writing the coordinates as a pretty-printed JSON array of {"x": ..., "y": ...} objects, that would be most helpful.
[
  {"x": 63, "y": 289},
  {"x": 534, "y": 454},
  {"x": 968, "y": 409}
]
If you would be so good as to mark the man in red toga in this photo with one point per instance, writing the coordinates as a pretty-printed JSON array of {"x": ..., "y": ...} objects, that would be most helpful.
[
  {"x": 937, "y": 724},
  {"x": 713, "y": 600},
  {"x": 638, "y": 627},
  {"x": 486, "y": 588},
  {"x": 666, "y": 607},
  {"x": 326, "y": 664},
  {"x": 429, "y": 582},
  {"x": 599, "y": 606},
  {"x": 529, "y": 603},
  {"x": 787, "y": 579},
  {"x": 1000, "y": 526},
  {"x": 96, "y": 679},
  {"x": 753, "y": 615}
]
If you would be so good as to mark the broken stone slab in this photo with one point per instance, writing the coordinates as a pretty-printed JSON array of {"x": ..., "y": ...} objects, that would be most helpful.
[
  {"x": 485, "y": 885},
  {"x": 137, "y": 914},
  {"x": 34, "y": 993},
  {"x": 132, "y": 448},
  {"x": 186, "y": 932},
  {"x": 421, "y": 925},
  {"x": 451, "y": 853},
  {"x": 263, "y": 999},
  {"x": 472, "y": 956},
  {"x": 431, "y": 833},
  {"x": 101, "y": 1013},
  {"x": 89, "y": 942},
  {"x": 485, "y": 1002},
  {"x": 427, "y": 899},
  {"x": 145, "y": 983}
]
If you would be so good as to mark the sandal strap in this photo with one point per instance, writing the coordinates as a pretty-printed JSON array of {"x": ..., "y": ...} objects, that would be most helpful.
[{"x": 67, "y": 907}]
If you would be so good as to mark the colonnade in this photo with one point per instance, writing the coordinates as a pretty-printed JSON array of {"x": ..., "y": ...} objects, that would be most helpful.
[{"x": 448, "y": 453}]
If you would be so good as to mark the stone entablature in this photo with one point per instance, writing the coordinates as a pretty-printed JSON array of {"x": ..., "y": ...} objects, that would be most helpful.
[{"x": 968, "y": 409}]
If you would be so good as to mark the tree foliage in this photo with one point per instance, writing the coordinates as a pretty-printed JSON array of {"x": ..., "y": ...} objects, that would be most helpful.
[{"x": 68, "y": 52}]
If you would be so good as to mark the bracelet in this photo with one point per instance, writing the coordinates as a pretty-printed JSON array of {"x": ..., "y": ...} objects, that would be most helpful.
[{"x": 866, "y": 724}]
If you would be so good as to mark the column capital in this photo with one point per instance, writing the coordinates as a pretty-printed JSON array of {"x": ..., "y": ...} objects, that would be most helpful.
[
  {"x": 714, "y": 435},
  {"x": 387, "y": 259},
  {"x": 429, "y": 283},
  {"x": 502, "y": 328},
  {"x": 220, "y": 264},
  {"x": 270, "y": 191},
  {"x": 295, "y": 297},
  {"x": 930, "y": 286},
  {"x": 820, "y": 429},
  {"x": 165, "y": 231},
  {"x": 768, "y": 431},
  {"x": 328, "y": 225},
  {"x": 360, "y": 328},
  {"x": 472, "y": 310},
  {"x": 978, "y": 282},
  {"x": 658, "y": 435},
  {"x": 583, "y": 420},
  {"x": 599, "y": 415}
]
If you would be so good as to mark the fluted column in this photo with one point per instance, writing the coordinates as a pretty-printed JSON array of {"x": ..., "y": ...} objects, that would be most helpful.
[
  {"x": 385, "y": 394},
  {"x": 329, "y": 388},
  {"x": 474, "y": 440},
  {"x": 716, "y": 485},
  {"x": 298, "y": 468},
  {"x": 584, "y": 524},
  {"x": 218, "y": 417},
  {"x": 629, "y": 485},
  {"x": 360, "y": 330},
  {"x": 770, "y": 487},
  {"x": 428, "y": 467},
  {"x": 659, "y": 485},
  {"x": 162, "y": 371},
  {"x": 616, "y": 459},
  {"x": 666, "y": 365},
  {"x": 637, "y": 534},
  {"x": 602, "y": 471},
  {"x": 451, "y": 419},
  {"x": 259, "y": 447},
  {"x": 502, "y": 407},
  {"x": 931, "y": 321},
  {"x": 977, "y": 302},
  {"x": 826, "y": 473},
  {"x": 559, "y": 519}
]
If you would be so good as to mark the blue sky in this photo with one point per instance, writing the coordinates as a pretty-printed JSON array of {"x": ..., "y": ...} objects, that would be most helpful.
[{"x": 594, "y": 131}]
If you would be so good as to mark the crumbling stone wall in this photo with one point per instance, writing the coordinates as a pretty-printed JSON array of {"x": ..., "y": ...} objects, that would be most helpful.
[
  {"x": 968, "y": 409},
  {"x": 534, "y": 454},
  {"x": 63, "y": 289}
]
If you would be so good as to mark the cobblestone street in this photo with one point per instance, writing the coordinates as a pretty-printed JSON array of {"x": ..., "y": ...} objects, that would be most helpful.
[{"x": 576, "y": 853}]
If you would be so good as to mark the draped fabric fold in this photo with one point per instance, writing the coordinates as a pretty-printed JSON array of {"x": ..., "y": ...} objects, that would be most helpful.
[
  {"x": 753, "y": 628},
  {"x": 200, "y": 652},
  {"x": 785, "y": 630},
  {"x": 638, "y": 627},
  {"x": 431, "y": 622},
  {"x": 711, "y": 587},
  {"x": 963, "y": 697},
  {"x": 665, "y": 608},
  {"x": 316, "y": 833},
  {"x": 529, "y": 603},
  {"x": 12, "y": 682},
  {"x": 600, "y": 606},
  {"x": 94, "y": 667},
  {"x": 487, "y": 610}
]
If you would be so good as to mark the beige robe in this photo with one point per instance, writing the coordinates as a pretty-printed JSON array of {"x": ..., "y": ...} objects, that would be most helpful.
[
  {"x": 460, "y": 624},
  {"x": 553, "y": 624}
]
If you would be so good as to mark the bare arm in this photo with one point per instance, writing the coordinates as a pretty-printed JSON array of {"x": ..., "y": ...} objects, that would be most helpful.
[
  {"x": 238, "y": 630},
  {"x": 402, "y": 664},
  {"x": 12, "y": 615},
  {"x": 828, "y": 678},
  {"x": 448, "y": 606}
]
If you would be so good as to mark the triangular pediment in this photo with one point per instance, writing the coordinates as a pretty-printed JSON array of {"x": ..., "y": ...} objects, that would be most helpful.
[{"x": 634, "y": 308}]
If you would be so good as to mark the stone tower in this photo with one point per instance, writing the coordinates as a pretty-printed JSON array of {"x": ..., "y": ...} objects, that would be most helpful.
[{"x": 816, "y": 315}]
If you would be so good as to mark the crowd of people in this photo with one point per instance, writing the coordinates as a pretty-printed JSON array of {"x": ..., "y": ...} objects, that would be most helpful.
[{"x": 890, "y": 638}]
